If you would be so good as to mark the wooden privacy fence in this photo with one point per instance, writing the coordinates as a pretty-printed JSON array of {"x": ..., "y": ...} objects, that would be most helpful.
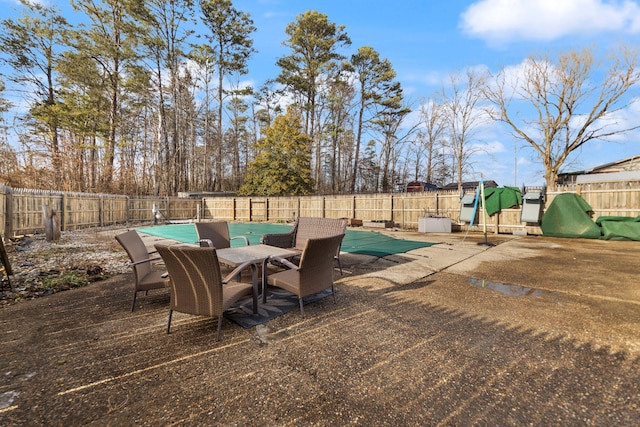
[
  {"x": 402, "y": 208},
  {"x": 21, "y": 210}
]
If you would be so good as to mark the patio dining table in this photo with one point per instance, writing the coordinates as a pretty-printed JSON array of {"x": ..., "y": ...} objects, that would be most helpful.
[{"x": 255, "y": 254}]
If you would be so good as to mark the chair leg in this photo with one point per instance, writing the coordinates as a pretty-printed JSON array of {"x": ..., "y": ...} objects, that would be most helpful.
[
  {"x": 219, "y": 328},
  {"x": 254, "y": 290},
  {"x": 301, "y": 306},
  {"x": 333, "y": 291},
  {"x": 264, "y": 280},
  {"x": 133, "y": 305},
  {"x": 169, "y": 322},
  {"x": 339, "y": 264}
]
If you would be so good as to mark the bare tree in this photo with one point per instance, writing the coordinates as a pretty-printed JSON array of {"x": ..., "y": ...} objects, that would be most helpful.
[
  {"x": 463, "y": 115},
  {"x": 567, "y": 106},
  {"x": 429, "y": 140},
  {"x": 336, "y": 129},
  {"x": 388, "y": 123},
  {"x": 167, "y": 29}
]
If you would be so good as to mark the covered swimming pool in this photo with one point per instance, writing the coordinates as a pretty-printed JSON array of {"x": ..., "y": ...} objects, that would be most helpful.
[{"x": 355, "y": 241}]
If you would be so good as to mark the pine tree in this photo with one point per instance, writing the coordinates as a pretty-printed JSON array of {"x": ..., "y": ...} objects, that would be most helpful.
[{"x": 282, "y": 167}]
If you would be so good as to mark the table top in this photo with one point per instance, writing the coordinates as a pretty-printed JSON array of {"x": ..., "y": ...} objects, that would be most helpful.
[{"x": 252, "y": 253}]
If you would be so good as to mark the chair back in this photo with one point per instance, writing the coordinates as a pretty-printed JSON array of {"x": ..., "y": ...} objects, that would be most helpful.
[
  {"x": 316, "y": 264},
  {"x": 312, "y": 228},
  {"x": 195, "y": 277},
  {"x": 217, "y": 232},
  {"x": 137, "y": 251}
]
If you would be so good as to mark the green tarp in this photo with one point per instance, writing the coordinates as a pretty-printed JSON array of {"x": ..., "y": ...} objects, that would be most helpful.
[
  {"x": 619, "y": 227},
  {"x": 498, "y": 198},
  {"x": 568, "y": 215}
]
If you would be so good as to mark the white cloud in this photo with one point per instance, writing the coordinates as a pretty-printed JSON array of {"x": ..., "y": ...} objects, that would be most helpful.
[
  {"x": 34, "y": 2},
  {"x": 503, "y": 21},
  {"x": 491, "y": 147},
  {"x": 512, "y": 79}
]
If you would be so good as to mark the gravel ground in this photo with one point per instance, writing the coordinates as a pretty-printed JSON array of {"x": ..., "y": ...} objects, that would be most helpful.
[
  {"x": 531, "y": 331},
  {"x": 42, "y": 268}
]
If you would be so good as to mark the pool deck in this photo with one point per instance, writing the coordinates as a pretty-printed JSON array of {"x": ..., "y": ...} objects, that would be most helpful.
[{"x": 529, "y": 331}]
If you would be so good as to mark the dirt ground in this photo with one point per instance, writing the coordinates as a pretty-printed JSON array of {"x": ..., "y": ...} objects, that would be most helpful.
[{"x": 529, "y": 331}]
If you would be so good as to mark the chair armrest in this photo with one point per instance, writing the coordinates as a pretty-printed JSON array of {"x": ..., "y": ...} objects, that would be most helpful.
[
  {"x": 208, "y": 242},
  {"x": 146, "y": 260},
  {"x": 236, "y": 271},
  {"x": 281, "y": 240},
  {"x": 284, "y": 262},
  {"x": 246, "y": 241}
]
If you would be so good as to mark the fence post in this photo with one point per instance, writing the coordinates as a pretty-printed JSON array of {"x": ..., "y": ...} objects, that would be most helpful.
[
  {"x": 63, "y": 213},
  {"x": 234, "y": 207},
  {"x": 391, "y": 207},
  {"x": 100, "y": 210},
  {"x": 353, "y": 207},
  {"x": 8, "y": 221},
  {"x": 403, "y": 218}
]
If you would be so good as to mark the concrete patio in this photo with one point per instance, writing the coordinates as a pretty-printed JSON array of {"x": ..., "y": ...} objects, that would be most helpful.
[{"x": 531, "y": 331}]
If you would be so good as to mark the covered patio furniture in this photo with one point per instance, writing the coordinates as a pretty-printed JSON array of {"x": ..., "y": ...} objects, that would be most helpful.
[
  {"x": 146, "y": 277},
  {"x": 313, "y": 275},
  {"x": 307, "y": 228},
  {"x": 197, "y": 286}
]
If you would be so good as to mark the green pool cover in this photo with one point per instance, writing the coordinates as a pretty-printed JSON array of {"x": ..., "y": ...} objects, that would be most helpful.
[{"x": 355, "y": 241}]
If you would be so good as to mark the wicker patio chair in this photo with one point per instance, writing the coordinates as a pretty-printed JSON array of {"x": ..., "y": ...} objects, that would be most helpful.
[
  {"x": 146, "y": 277},
  {"x": 313, "y": 275},
  {"x": 216, "y": 234},
  {"x": 307, "y": 228},
  {"x": 197, "y": 286}
]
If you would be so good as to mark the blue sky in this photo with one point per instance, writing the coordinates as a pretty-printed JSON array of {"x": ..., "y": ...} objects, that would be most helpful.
[{"x": 426, "y": 41}]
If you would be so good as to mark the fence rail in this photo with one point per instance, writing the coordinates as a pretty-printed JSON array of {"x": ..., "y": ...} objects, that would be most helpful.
[{"x": 21, "y": 210}]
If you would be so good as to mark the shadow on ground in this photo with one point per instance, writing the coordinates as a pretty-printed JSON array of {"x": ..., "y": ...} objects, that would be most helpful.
[{"x": 427, "y": 347}]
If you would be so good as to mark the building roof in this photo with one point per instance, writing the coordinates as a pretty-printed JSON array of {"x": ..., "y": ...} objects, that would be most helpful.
[
  {"x": 621, "y": 170},
  {"x": 608, "y": 176},
  {"x": 599, "y": 168},
  {"x": 468, "y": 185}
]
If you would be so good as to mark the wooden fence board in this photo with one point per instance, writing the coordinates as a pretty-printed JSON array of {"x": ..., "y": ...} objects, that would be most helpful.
[{"x": 282, "y": 209}]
